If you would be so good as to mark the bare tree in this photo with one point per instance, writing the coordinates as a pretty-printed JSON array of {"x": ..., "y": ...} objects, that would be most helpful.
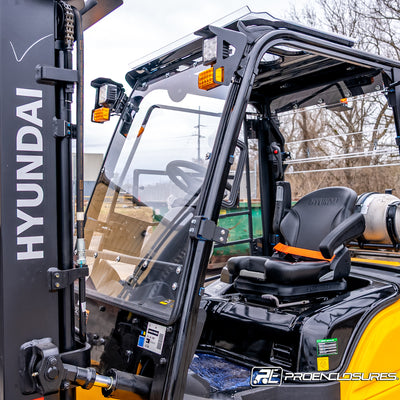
[
  {"x": 357, "y": 140},
  {"x": 375, "y": 24}
]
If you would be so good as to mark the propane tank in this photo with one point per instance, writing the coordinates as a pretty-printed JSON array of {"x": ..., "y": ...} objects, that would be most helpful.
[{"x": 382, "y": 217}]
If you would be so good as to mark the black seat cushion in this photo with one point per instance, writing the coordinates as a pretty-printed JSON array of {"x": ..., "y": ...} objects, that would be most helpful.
[
  {"x": 298, "y": 273},
  {"x": 315, "y": 215},
  {"x": 270, "y": 269}
]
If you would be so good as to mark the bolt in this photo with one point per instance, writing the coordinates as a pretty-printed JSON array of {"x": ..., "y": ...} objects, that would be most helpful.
[
  {"x": 169, "y": 329},
  {"x": 52, "y": 373},
  {"x": 128, "y": 354},
  {"x": 57, "y": 275},
  {"x": 118, "y": 259},
  {"x": 102, "y": 308},
  {"x": 145, "y": 264},
  {"x": 223, "y": 232},
  {"x": 163, "y": 361},
  {"x": 96, "y": 255},
  {"x": 178, "y": 270},
  {"x": 193, "y": 221},
  {"x": 65, "y": 385},
  {"x": 221, "y": 239},
  {"x": 174, "y": 286},
  {"x": 52, "y": 361},
  {"x": 57, "y": 285}
]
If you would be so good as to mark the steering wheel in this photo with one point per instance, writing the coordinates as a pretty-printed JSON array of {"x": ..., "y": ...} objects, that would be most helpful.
[{"x": 189, "y": 182}]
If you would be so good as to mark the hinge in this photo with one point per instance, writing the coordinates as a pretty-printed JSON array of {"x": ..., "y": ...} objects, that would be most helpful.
[
  {"x": 62, "y": 278},
  {"x": 202, "y": 228}
]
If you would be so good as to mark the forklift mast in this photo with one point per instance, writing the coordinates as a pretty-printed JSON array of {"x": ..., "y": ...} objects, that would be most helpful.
[{"x": 34, "y": 237}]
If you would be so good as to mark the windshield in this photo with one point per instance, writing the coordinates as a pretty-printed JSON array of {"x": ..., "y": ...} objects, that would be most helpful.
[{"x": 138, "y": 219}]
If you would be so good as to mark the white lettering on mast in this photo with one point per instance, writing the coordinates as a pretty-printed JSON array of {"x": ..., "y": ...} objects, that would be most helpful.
[{"x": 29, "y": 174}]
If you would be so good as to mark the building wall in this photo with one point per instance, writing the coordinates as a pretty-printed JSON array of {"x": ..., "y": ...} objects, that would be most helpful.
[{"x": 92, "y": 164}]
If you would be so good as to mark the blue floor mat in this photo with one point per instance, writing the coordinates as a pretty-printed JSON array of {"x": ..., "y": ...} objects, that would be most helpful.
[{"x": 220, "y": 373}]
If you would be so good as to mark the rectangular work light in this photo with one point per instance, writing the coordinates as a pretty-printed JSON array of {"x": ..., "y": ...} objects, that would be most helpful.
[
  {"x": 108, "y": 95},
  {"x": 210, "y": 50}
]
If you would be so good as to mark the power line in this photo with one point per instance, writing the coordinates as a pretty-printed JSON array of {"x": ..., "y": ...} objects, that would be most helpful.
[
  {"x": 341, "y": 156},
  {"x": 335, "y": 136},
  {"x": 342, "y": 169}
]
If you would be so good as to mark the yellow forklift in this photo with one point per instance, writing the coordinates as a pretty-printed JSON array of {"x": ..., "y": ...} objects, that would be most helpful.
[{"x": 133, "y": 312}]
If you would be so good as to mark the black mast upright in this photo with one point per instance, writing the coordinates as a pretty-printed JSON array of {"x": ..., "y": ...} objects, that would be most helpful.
[{"x": 29, "y": 234}]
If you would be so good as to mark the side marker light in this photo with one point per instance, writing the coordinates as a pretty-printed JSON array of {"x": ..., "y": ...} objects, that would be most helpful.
[
  {"x": 101, "y": 115},
  {"x": 206, "y": 78}
]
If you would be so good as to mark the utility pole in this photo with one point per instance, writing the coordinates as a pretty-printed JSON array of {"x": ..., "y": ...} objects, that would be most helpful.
[{"x": 198, "y": 126}]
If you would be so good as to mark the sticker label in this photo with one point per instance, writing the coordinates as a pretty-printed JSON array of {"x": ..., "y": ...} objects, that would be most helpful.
[
  {"x": 141, "y": 341},
  {"x": 168, "y": 302},
  {"x": 327, "y": 347},
  {"x": 323, "y": 363},
  {"x": 153, "y": 338}
]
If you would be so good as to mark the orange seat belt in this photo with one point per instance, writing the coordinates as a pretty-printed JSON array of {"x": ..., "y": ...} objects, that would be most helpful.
[{"x": 297, "y": 251}]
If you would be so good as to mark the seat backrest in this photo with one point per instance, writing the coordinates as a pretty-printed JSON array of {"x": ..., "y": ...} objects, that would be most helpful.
[{"x": 315, "y": 215}]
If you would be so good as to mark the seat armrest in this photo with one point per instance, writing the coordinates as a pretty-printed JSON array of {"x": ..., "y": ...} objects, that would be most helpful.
[{"x": 350, "y": 228}]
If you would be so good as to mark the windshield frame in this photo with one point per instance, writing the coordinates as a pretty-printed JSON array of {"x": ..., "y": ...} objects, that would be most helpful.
[{"x": 111, "y": 160}]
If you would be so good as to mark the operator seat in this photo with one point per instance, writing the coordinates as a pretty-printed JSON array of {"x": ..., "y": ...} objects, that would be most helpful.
[{"x": 313, "y": 258}]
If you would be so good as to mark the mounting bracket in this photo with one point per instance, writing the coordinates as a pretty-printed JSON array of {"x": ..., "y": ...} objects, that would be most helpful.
[{"x": 204, "y": 229}]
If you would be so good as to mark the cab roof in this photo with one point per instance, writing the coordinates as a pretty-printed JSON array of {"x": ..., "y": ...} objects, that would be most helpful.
[{"x": 301, "y": 59}]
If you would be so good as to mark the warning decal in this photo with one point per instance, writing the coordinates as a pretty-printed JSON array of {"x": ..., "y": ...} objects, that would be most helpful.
[
  {"x": 153, "y": 338},
  {"x": 327, "y": 347}
]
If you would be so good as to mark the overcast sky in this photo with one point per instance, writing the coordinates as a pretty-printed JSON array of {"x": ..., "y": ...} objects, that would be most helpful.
[{"x": 139, "y": 28}]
